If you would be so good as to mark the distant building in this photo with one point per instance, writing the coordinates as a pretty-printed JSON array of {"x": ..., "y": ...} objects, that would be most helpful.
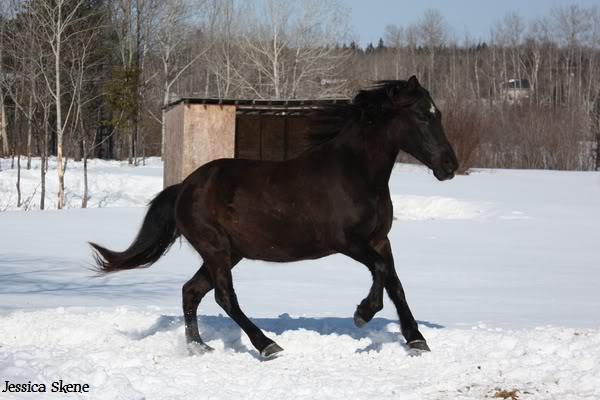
[{"x": 515, "y": 90}]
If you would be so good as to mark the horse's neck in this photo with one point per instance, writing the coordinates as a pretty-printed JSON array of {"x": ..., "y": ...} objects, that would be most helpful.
[{"x": 371, "y": 147}]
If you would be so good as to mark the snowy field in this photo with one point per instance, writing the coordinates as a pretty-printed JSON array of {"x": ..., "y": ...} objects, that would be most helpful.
[{"x": 500, "y": 267}]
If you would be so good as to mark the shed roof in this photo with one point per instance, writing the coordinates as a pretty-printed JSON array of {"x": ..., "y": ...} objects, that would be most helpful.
[{"x": 263, "y": 106}]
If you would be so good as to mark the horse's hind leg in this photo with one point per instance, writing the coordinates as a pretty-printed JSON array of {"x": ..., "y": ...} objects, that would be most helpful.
[
  {"x": 227, "y": 299},
  {"x": 215, "y": 249},
  {"x": 193, "y": 292},
  {"x": 408, "y": 325}
]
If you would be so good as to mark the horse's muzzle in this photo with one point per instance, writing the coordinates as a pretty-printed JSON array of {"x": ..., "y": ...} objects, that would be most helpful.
[{"x": 446, "y": 168}]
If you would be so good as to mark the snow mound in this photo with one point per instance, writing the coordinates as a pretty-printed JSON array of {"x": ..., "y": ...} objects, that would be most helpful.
[
  {"x": 130, "y": 353},
  {"x": 418, "y": 208}
]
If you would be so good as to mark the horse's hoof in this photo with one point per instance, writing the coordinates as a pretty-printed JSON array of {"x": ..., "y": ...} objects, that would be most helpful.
[
  {"x": 358, "y": 320},
  {"x": 198, "y": 349},
  {"x": 417, "y": 347},
  {"x": 271, "y": 350}
]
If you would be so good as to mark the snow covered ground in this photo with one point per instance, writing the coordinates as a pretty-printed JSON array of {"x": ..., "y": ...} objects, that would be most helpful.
[{"x": 500, "y": 267}]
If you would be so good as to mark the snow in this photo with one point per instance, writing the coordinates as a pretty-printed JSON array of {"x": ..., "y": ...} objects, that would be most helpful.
[
  {"x": 500, "y": 268},
  {"x": 109, "y": 184}
]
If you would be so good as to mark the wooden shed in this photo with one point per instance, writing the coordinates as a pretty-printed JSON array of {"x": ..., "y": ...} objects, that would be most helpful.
[{"x": 199, "y": 130}]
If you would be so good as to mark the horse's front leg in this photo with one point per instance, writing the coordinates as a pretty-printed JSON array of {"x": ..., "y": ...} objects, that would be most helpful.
[
  {"x": 373, "y": 303},
  {"x": 408, "y": 324}
]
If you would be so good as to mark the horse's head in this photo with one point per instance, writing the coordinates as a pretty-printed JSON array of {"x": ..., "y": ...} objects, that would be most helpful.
[{"x": 416, "y": 127}]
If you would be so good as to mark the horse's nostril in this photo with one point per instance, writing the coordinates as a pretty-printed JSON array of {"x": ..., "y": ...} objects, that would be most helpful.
[{"x": 450, "y": 165}]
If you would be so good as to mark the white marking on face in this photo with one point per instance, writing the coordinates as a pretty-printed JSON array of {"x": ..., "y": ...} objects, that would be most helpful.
[{"x": 432, "y": 109}]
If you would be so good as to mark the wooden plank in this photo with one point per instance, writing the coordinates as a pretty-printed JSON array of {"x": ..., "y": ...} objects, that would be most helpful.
[
  {"x": 272, "y": 138},
  {"x": 248, "y": 137},
  {"x": 296, "y": 128},
  {"x": 173, "y": 156},
  {"x": 209, "y": 134}
]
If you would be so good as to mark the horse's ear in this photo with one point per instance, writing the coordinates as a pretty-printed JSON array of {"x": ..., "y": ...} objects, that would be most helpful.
[{"x": 413, "y": 83}]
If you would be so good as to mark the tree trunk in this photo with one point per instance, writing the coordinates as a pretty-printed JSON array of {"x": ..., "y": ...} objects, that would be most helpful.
[
  {"x": 19, "y": 180},
  {"x": 43, "y": 174},
  {"x": 84, "y": 201},
  {"x": 595, "y": 114},
  {"x": 3, "y": 134},
  {"x": 136, "y": 139},
  {"x": 3, "y": 124},
  {"x": 44, "y": 160},
  {"x": 61, "y": 175},
  {"x": 17, "y": 133},
  {"x": 163, "y": 130},
  {"x": 163, "y": 120},
  {"x": 206, "y": 87},
  {"x": 29, "y": 130},
  {"x": 130, "y": 145},
  {"x": 59, "y": 120}
]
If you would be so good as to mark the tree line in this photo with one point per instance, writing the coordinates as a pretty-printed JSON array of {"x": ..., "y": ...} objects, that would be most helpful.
[{"x": 90, "y": 78}]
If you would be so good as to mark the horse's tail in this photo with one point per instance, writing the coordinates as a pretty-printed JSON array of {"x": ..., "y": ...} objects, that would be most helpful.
[{"x": 157, "y": 234}]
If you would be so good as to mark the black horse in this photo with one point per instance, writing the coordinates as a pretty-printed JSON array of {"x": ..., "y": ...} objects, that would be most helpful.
[{"x": 333, "y": 198}]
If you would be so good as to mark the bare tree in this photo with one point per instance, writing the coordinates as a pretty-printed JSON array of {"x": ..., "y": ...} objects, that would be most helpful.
[
  {"x": 223, "y": 56},
  {"x": 24, "y": 72},
  {"x": 173, "y": 31},
  {"x": 135, "y": 25},
  {"x": 395, "y": 38},
  {"x": 433, "y": 30},
  {"x": 538, "y": 37},
  {"x": 44, "y": 99},
  {"x": 31, "y": 57},
  {"x": 571, "y": 25},
  {"x": 514, "y": 27},
  {"x": 3, "y": 124},
  {"x": 58, "y": 22},
  {"x": 291, "y": 46},
  {"x": 84, "y": 64}
]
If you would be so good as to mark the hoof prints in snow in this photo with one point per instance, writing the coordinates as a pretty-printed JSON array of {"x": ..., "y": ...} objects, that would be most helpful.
[{"x": 132, "y": 354}]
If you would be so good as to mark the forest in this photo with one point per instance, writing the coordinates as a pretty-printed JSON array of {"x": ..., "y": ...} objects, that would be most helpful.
[{"x": 85, "y": 79}]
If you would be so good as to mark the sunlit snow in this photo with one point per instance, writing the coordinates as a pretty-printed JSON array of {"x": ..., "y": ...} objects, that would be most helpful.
[{"x": 500, "y": 267}]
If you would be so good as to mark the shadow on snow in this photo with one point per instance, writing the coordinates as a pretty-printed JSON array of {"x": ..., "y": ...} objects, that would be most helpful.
[
  {"x": 47, "y": 275},
  {"x": 379, "y": 331}
]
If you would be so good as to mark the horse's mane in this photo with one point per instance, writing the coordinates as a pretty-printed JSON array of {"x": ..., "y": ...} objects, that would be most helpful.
[{"x": 369, "y": 104}]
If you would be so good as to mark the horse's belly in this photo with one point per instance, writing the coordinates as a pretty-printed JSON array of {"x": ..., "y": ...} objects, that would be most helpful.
[
  {"x": 284, "y": 255},
  {"x": 277, "y": 241}
]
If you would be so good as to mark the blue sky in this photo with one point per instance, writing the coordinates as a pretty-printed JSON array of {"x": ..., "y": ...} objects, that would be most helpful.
[{"x": 369, "y": 17}]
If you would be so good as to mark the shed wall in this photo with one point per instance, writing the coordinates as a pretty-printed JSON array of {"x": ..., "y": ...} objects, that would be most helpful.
[
  {"x": 173, "y": 159},
  {"x": 209, "y": 134},
  {"x": 197, "y": 134},
  {"x": 268, "y": 137}
]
